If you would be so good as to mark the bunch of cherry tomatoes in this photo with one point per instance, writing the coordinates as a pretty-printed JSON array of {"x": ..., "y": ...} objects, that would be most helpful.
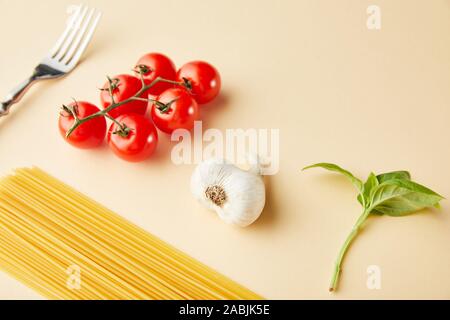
[{"x": 172, "y": 96}]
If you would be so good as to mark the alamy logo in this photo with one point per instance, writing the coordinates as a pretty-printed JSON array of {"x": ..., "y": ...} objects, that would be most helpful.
[
  {"x": 74, "y": 277},
  {"x": 374, "y": 18},
  {"x": 73, "y": 11},
  {"x": 234, "y": 145},
  {"x": 374, "y": 277}
]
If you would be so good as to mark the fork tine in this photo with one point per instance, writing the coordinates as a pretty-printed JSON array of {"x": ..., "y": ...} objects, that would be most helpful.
[
  {"x": 63, "y": 36},
  {"x": 78, "y": 38},
  {"x": 85, "y": 42},
  {"x": 73, "y": 32}
]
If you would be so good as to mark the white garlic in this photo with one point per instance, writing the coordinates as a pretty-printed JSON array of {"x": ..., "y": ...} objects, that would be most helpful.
[{"x": 237, "y": 196}]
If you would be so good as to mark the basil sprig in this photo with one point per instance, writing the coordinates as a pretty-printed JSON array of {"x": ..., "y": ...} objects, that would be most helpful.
[{"x": 393, "y": 194}]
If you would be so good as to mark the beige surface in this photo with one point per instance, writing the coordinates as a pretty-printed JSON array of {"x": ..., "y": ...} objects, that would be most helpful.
[{"x": 368, "y": 100}]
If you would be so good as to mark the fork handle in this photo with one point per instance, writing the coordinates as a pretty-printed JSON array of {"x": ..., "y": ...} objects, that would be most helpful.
[{"x": 15, "y": 95}]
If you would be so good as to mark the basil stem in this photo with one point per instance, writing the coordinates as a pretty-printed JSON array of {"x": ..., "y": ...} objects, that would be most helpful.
[{"x": 337, "y": 268}]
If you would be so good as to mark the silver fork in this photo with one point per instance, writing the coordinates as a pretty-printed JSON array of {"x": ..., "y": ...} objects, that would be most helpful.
[{"x": 64, "y": 55}]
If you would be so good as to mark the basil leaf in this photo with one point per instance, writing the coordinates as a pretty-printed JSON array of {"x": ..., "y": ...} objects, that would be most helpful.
[
  {"x": 399, "y": 197},
  {"x": 369, "y": 185},
  {"x": 402, "y": 175},
  {"x": 332, "y": 167}
]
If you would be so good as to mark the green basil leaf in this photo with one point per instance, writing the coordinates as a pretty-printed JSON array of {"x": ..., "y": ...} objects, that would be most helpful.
[
  {"x": 359, "y": 198},
  {"x": 369, "y": 185},
  {"x": 399, "y": 197},
  {"x": 402, "y": 175},
  {"x": 332, "y": 167}
]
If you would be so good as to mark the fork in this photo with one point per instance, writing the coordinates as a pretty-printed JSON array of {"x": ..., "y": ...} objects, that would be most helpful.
[{"x": 64, "y": 55}]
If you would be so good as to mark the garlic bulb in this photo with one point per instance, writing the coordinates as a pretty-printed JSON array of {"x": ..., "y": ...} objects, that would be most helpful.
[{"x": 237, "y": 196}]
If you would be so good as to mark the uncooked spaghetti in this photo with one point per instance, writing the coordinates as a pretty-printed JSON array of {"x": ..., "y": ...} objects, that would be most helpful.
[{"x": 66, "y": 246}]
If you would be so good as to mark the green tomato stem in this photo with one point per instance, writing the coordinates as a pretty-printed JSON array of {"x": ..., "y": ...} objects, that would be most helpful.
[
  {"x": 345, "y": 247},
  {"x": 114, "y": 105}
]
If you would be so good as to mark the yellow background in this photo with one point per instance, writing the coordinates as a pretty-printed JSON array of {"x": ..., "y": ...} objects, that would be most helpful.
[{"x": 338, "y": 92}]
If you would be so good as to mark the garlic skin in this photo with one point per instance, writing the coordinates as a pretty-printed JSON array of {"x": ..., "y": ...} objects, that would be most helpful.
[{"x": 237, "y": 196}]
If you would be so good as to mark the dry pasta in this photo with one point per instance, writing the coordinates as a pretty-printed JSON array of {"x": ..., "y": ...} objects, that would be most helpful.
[{"x": 66, "y": 246}]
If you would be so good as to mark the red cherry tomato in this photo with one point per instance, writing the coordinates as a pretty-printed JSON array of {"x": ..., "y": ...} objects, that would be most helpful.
[
  {"x": 158, "y": 65},
  {"x": 138, "y": 142},
  {"x": 125, "y": 86},
  {"x": 88, "y": 135},
  {"x": 204, "y": 78},
  {"x": 181, "y": 113}
]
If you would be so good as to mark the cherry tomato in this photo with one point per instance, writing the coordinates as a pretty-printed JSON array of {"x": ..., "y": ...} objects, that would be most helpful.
[
  {"x": 125, "y": 86},
  {"x": 139, "y": 140},
  {"x": 157, "y": 65},
  {"x": 181, "y": 113},
  {"x": 88, "y": 135},
  {"x": 204, "y": 78}
]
